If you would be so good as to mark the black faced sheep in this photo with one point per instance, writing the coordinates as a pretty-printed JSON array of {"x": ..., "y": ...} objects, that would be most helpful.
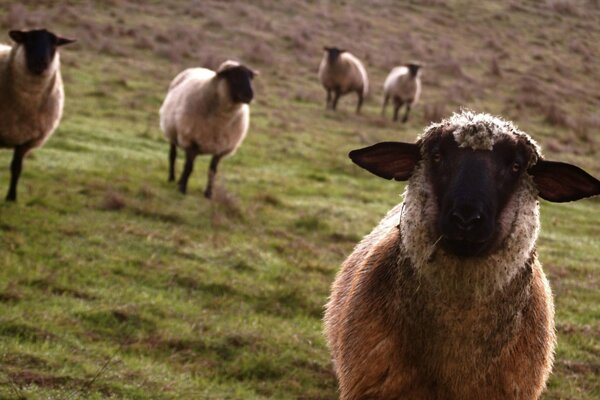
[
  {"x": 403, "y": 86},
  {"x": 340, "y": 73},
  {"x": 206, "y": 112},
  {"x": 31, "y": 95},
  {"x": 446, "y": 298}
]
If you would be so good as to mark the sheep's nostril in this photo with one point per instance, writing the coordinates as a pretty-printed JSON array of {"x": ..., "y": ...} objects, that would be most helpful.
[{"x": 465, "y": 220}]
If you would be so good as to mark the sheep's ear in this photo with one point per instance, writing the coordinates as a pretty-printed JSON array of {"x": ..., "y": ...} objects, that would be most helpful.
[
  {"x": 389, "y": 160},
  {"x": 561, "y": 182},
  {"x": 61, "y": 41},
  {"x": 17, "y": 36}
]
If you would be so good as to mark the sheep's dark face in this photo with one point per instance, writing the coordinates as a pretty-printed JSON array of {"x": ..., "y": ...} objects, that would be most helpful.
[
  {"x": 333, "y": 53},
  {"x": 239, "y": 80},
  {"x": 40, "y": 48},
  {"x": 413, "y": 69},
  {"x": 472, "y": 188}
]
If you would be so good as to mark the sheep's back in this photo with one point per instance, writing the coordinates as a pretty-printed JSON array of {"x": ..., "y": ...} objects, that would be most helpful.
[
  {"x": 399, "y": 83},
  {"x": 348, "y": 74},
  {"x": 190, "y": 114}
]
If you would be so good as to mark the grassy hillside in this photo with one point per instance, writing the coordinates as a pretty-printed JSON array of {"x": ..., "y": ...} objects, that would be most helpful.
[{"x": 112, "y": 284}]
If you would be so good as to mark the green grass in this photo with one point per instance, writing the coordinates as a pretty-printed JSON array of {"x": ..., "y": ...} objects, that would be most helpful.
[{"x": 112, "y": 284}]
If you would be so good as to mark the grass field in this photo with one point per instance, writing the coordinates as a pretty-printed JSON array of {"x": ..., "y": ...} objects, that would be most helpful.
[{"x": 112, "y": 284}]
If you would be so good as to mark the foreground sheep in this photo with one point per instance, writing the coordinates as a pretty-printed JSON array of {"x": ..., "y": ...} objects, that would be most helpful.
[
  {"x": 31, "y": 95},
  {"x": 206, "y": 112},
  {"x": 340, "y": 73},
  {"x": 403, "y": 85},
  {"x": 446, "y": 298}
]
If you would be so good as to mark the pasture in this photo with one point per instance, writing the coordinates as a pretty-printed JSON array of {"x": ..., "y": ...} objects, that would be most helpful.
[{"x": 114, "y": 285}]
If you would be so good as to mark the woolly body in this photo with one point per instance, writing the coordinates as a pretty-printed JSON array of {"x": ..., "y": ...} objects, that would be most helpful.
[
  {"x": 198, "y": 112},
  {"x": 30, "y": 106},
  {"x": 407, "y": 319},
  {"x": 347, "y": 74},
  {"x": 400, "y": 84}
]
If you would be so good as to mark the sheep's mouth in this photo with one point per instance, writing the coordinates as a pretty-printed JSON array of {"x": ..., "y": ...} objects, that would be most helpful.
[{"x": 466, "y": 248}]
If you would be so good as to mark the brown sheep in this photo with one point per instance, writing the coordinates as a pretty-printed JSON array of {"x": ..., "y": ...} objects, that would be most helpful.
[{"x": 446, "y": 298}]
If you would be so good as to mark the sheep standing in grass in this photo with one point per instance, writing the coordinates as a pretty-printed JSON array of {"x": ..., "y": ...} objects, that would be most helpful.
[
  {"x": 31, "y": 95},
  {"x": 446, "y": 298},
  {"x": 403, "y": 85},
  {"x": 206, "y": 112},
  {"x": 340, "y": 73}
]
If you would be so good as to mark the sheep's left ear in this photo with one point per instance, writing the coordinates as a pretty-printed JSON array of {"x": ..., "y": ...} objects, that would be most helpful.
[
  {"x": 561, "y": 182},
  {"x": 61, "y": 41},
  {"x": 17, "y": 36},
  {"x": 389, "y": 160}
]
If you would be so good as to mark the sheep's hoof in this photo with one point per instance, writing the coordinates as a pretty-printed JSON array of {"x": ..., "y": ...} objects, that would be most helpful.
[
  {"x": 182, "y": 189},
  {"x": 11, "y": 198},
  {"x": 171, "y": 179},
  {"x": 208, "y": 194}
]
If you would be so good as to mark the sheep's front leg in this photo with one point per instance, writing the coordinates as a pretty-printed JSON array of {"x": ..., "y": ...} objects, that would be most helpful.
[
  {"x": 328, "y": 101},
  {"x": 212, "y": 172},
  {"x": 336, "y": 97},
  {"x": 406, "y": 113},
  {"x": 397, "y": 104},
  {"x": 360, "y": 101},
  {"x": 16, "y": 166},
  {"x": 190, "y": 156},
  {"x": 172, "y": 158}
]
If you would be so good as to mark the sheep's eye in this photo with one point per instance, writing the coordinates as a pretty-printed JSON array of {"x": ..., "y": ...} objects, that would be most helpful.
[
  {"x": 516, "y": 167},
  {"x": 437, "y": 157}
]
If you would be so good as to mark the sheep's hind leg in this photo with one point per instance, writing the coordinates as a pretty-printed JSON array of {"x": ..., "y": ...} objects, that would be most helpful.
[
  {"x": 386, "y": 99},
  {"x": 172, "y": 158},
  {"x": 190, "y": 156},
  {"x": 16, "y": 166},
  {"x": 406, "y": 113},
  {"x": 212, "y": 172},
  {"x": 360, "y": 102}
]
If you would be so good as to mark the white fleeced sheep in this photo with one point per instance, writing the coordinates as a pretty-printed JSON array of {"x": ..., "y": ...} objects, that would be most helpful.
[
  {"x": 206, "y": 112},
  {"x": 341, "y": 72},
  {"x": 403, "y": 86},
  {"x": 31, "y": 95},
  {"x": 446, "y": 298}
]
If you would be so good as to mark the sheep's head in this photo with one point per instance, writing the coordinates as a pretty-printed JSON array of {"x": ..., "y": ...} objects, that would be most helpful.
[
  {"x": 414, "y": 68},
  {"x": 474, "y": 180},
  {"x": 40, "y": 48},
  {"x": 332, "y": 53},
  {"x": 239, "y": 80}
]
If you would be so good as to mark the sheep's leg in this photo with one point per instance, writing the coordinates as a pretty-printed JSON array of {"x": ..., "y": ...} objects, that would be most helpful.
[
  {"x": 172, "y": 158},
  {"x": 336, "y": 97},
  {"x": 328, "y": 101},
  {"x": 386, "y": 99},
  {"x": 405, "y": 118},
  {"x": 360, "y": 101},
  {"x": 190, "y": 156},
  {"x": 16, "y": 166},
  {"x": 397, "y": 104},
  {"x": 212, "y": 172}
]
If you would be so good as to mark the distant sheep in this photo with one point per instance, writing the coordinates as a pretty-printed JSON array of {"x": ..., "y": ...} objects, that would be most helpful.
[
  {"x": 403, "y": 85},
  {"x": 206, "y": 112},
  {"x": 340, "y": 73},
  {"x": 31, "y": 95},
  {"x": 446, "y": 298}
]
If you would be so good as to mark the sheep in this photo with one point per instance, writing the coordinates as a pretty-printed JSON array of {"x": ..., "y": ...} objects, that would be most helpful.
[
  {"x": 446, "y": 298},
  {"x": 341, "y": 72},
  {"x": 206, "y": 112},
  {"x": 31, "y": 95},
  {"x": 403, "y": 85}
]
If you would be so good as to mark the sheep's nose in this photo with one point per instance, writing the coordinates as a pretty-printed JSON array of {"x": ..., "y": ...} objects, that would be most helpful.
[{"x": 466, "y": 218}]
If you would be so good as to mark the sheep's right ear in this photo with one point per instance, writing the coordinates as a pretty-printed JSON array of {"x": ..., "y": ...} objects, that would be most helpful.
[
  {"x": 61, "y": 41},
  {"x": 17, "y": 36},
  {"x": 389, "y": 160}
]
